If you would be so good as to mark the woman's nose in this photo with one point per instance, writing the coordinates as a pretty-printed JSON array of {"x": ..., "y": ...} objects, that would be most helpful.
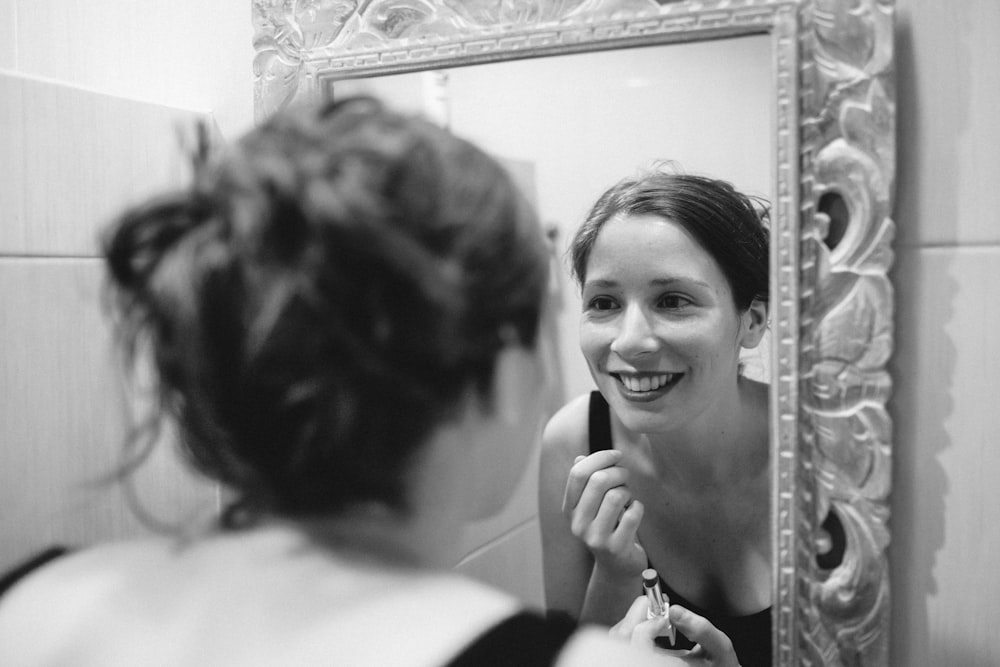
[{"x": 635, "y": 334}]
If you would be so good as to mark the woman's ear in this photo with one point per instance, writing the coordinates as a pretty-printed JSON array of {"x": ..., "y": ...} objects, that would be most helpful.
[{"x": 754, "y": 324}]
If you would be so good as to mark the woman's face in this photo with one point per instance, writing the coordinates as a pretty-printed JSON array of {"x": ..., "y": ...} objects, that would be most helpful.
[{"x": 659, "y": 328}]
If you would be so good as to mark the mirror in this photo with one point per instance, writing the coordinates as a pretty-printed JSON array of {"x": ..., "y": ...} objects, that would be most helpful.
[
  {"x": 611, "y": 114},
  {"x": 823, "y": 128}
]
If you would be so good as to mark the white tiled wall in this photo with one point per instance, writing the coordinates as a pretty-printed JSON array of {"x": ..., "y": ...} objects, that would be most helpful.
[
  {"x": 91, "y": 94},
  {"x": 511, "y": 562},
  {"x": 945, "y": 503},
  {"x": 192, "y": 54},
  {"x": 74, "y": 157},
  {"x": 8, "y": 34},
  {"x": 62, "y": 418}
]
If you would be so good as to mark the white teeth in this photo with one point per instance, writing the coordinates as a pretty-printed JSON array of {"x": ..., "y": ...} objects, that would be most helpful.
[{"x": 645, "y": 383}]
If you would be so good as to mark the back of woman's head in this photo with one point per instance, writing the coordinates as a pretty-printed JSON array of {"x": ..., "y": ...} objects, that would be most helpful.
[
  {"x": 729, "y": 225},
  {"x": 323, "y": 297}
]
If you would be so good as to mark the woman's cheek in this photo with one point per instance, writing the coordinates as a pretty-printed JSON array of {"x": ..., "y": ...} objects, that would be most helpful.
[{"x": 591, "y": 343}]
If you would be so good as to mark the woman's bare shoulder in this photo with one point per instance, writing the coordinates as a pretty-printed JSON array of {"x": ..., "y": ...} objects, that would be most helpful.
[
  {"x": 106, "y": 599},
  {"x": 62, "y": 595},
  {"x": 100, "y": 564}
]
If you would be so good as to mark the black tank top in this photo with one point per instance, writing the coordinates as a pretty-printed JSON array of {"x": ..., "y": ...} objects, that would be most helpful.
[
  {"x": 751, "y": 635},
  {"x": 525, "y": 639}
]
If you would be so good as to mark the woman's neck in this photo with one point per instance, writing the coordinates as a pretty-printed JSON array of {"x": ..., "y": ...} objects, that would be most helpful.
[
  {"x": 375, "y": 535},
  {"x": 424, "y": 533},
  {"x": 729, "y": 444}
]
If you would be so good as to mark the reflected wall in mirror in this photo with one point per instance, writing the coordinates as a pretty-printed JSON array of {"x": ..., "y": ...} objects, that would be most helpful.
[
  {"x": 817, "y": 142},
  {"x": 570, "y": 126}
]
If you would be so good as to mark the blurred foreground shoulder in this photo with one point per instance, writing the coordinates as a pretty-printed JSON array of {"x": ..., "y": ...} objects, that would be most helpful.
[{"x": 49, "y": 607}]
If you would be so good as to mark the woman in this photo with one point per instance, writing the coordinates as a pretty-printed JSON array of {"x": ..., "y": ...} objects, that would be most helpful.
[
  {"x": 666, "y": 465},
  {"x": 341, "y": 317}
]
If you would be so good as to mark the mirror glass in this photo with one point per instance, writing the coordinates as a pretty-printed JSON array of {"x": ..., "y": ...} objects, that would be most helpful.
[{"x": 570, "y": 126}]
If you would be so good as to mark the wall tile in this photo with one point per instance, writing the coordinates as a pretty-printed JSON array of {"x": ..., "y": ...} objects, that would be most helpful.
[
  {"x": 8, "y": 34},
  {"x": 512, "y": 562},
  {"x": 948, "y": 92},
  {"x": 193, "y": 54},
  {"x": 522, "y": 506},
  {"x": 62, "y": 419},
  {"x": 76, "y": 159},
  {"x": 946, "y": 373},
  {"x": 13, "y": 151}
]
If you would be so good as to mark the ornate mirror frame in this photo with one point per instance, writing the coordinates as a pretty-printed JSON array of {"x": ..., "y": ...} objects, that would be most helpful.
[{"x": 832, "y": 302}]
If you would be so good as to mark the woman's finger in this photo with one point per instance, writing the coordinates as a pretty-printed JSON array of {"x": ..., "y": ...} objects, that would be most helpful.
[
  {"x": 635, "y": 615},
  {"x": 713, "y": 644},
  {"x": 581, "y": 472},
  {"x": 599, "y": 483},
  {"x": 627, "y": 532},
  {"x": 612, "y": 506},
  {"x": 646, "y": 632},
  {"x": 637, "y": 628},
  {"x": 602, "y": 502}
]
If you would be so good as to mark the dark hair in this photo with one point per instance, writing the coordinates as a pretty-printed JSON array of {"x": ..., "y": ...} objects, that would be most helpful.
[
  {"x": 725, "y": 222},
  {"x": 322, "y": 298}
]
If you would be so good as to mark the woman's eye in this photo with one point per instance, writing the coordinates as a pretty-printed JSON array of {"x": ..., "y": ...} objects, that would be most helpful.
[
  {"x": 601, "y": 303},
  {"x": 673, "y": 301}
]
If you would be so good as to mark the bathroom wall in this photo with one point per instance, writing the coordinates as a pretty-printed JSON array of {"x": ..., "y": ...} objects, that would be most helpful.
[
  {"x": 92, "y": 97},
  {"x": 945, "y": 503}
]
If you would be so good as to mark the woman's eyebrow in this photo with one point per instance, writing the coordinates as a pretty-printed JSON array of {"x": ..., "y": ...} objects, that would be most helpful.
[
  {"x": 687, "y": 280},
  {"x": 601, "y": 283},
  {"x": 608, "y": 283}
]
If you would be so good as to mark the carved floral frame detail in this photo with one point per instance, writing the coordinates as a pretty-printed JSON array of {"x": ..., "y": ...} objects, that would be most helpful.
[{"x": 832, "y": 232}]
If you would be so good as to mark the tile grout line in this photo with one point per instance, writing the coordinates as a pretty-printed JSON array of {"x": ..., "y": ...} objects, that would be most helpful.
[{"x": 985, "y": 245}]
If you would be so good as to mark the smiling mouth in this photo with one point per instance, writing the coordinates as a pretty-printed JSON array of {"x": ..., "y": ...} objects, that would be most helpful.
[{"x": 644, "y": 384}]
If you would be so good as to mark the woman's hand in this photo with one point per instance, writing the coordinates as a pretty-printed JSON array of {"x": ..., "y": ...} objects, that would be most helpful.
[
  {"x": 603, "y": 514},
  {"x": 637, "y": 629},
  {"x": 713, "y": 648}
]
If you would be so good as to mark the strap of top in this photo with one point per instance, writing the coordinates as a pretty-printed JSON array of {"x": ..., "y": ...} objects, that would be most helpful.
[
  {"x": 525, "y": 639},
  {"x": 19, "y": 572},
  {"x": 599, "y": 418}
]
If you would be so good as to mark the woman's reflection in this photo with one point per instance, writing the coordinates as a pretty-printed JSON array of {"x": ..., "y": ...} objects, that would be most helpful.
[{"x": 666, "y": 466}]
